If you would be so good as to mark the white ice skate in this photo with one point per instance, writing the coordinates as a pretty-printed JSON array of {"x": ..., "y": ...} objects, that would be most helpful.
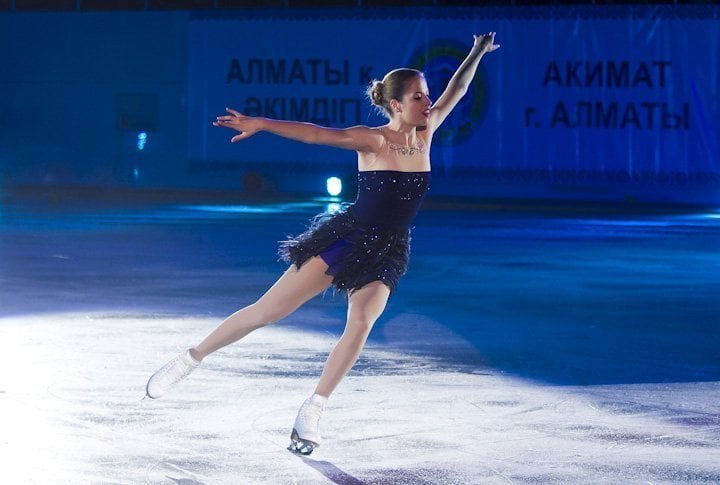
[
  {"x": 170, "y": 374},
  {"x": 305, "y": 435}
]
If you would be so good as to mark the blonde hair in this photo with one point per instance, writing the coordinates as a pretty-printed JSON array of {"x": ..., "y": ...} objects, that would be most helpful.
[{"x": 392, "y": 86}]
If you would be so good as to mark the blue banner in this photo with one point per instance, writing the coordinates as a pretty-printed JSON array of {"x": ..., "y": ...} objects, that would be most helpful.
[{"x": 633, "y": 91}]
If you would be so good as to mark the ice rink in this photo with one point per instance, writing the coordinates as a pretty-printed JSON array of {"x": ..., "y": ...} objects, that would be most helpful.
[{"x": 525, "y": 345}]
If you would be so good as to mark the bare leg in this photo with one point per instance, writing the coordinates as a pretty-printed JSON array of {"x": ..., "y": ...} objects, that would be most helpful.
[
  {"x": 364, "y": 307},
  {"x": 294, "y": 288}
]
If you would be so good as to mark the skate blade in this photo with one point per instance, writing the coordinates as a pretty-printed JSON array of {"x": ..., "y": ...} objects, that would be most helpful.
[
  {"x": 300, "y": 446},
  {"x": 147, "y": 394}
]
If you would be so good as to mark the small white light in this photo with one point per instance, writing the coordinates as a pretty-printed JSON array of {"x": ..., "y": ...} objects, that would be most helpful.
[
  {"x": 334, "y": 186},
  {"x": 141, "y": 140}
]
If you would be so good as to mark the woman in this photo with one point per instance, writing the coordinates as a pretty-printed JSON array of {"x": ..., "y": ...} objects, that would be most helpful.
[{"x": 362, "y": 250}]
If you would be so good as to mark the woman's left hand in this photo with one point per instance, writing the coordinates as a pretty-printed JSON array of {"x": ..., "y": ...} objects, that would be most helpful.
[{"x": 485, "y": 42}]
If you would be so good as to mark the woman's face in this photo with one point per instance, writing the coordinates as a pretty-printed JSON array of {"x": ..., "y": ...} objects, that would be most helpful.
[{"x": 414, "y": 107}]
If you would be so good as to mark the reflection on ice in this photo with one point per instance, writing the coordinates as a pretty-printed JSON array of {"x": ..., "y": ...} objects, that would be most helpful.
[
  {"x": 267, "y": 208},
  {"x": 709, "y": 215},
  {"x": 321, "y": 204}
]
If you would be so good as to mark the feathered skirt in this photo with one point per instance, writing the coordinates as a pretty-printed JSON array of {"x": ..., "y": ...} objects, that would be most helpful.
[{"x": 356, "y": 254}]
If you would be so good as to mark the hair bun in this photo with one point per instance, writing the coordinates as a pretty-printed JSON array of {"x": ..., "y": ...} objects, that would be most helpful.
[{"x": 376, "y": 93}]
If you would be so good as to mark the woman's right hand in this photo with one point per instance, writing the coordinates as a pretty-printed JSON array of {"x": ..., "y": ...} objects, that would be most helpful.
[{"x": 246, "y": 125}]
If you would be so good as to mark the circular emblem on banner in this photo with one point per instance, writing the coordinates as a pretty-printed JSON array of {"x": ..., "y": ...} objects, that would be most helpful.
[{"x": 439, "y": 60}]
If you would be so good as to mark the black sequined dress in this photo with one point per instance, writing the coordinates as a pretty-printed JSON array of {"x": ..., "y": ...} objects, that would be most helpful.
[{"x": 369, "y": 240}]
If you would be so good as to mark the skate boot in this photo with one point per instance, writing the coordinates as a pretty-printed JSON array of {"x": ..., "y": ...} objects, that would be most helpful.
[
  {"x": 170, "y": 374},
  {"x": 305, "y": 435}
]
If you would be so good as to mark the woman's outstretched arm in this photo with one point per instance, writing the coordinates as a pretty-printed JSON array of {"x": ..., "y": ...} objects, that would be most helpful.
[
  {"x": 359, "y": 138},
  {"x": 460, "y": 81}
]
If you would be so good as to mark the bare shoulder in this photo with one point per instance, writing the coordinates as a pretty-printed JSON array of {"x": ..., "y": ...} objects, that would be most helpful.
[{"x": 368, "y": 139}]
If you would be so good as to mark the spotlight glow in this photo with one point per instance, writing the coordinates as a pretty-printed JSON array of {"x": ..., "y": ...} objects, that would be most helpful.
[
  {"x": 333, "y": 207},
  {"x": 334, "y": 186},
  {"x": 141, "y": 140}
]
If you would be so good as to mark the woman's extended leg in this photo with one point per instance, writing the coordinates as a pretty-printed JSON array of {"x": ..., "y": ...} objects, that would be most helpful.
[
  {"x": 364, "y": 307},
  {"x": 294, "y": 288}
]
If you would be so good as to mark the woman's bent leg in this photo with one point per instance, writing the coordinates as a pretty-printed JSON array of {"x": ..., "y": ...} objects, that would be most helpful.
[{"x": 365, "y": 306}]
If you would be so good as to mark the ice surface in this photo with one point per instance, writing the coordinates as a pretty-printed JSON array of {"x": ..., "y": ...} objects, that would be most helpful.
[{"x": 520, "y": 348}]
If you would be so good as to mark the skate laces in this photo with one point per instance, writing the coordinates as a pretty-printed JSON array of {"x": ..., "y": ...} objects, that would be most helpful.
[
  {"x": 309, "y": 415},
  {"x": 305, "y": 436},
  {"x": 178, "y": 368},
  {"x": 170, "y": 374}
]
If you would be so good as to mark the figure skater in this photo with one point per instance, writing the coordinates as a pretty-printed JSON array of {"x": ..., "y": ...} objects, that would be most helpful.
[{"x": 362, "y": 250}]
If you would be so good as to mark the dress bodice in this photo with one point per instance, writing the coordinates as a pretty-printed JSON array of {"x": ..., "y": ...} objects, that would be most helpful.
[{"x": 389, "y": 199}]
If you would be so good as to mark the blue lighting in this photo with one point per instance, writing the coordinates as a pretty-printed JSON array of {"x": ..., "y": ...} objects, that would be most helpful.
[
  {"x": 141, "y": 140},
  {"x": 333, "y": 207},
  {"x": 334, "y": 186},
  {"x": 299, "y": 207}
]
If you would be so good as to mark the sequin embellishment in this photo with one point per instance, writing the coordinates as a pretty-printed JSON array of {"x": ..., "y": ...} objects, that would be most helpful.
[
  {"x": 419, "y": 147},
  {"x": 375, "y": 229}
]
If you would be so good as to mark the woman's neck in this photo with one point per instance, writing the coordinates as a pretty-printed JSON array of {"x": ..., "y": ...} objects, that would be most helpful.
[{"x": 408, "y": 132}]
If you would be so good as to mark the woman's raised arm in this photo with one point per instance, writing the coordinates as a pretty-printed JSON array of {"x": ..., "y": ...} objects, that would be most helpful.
[{"x": 459, "y": 82}]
